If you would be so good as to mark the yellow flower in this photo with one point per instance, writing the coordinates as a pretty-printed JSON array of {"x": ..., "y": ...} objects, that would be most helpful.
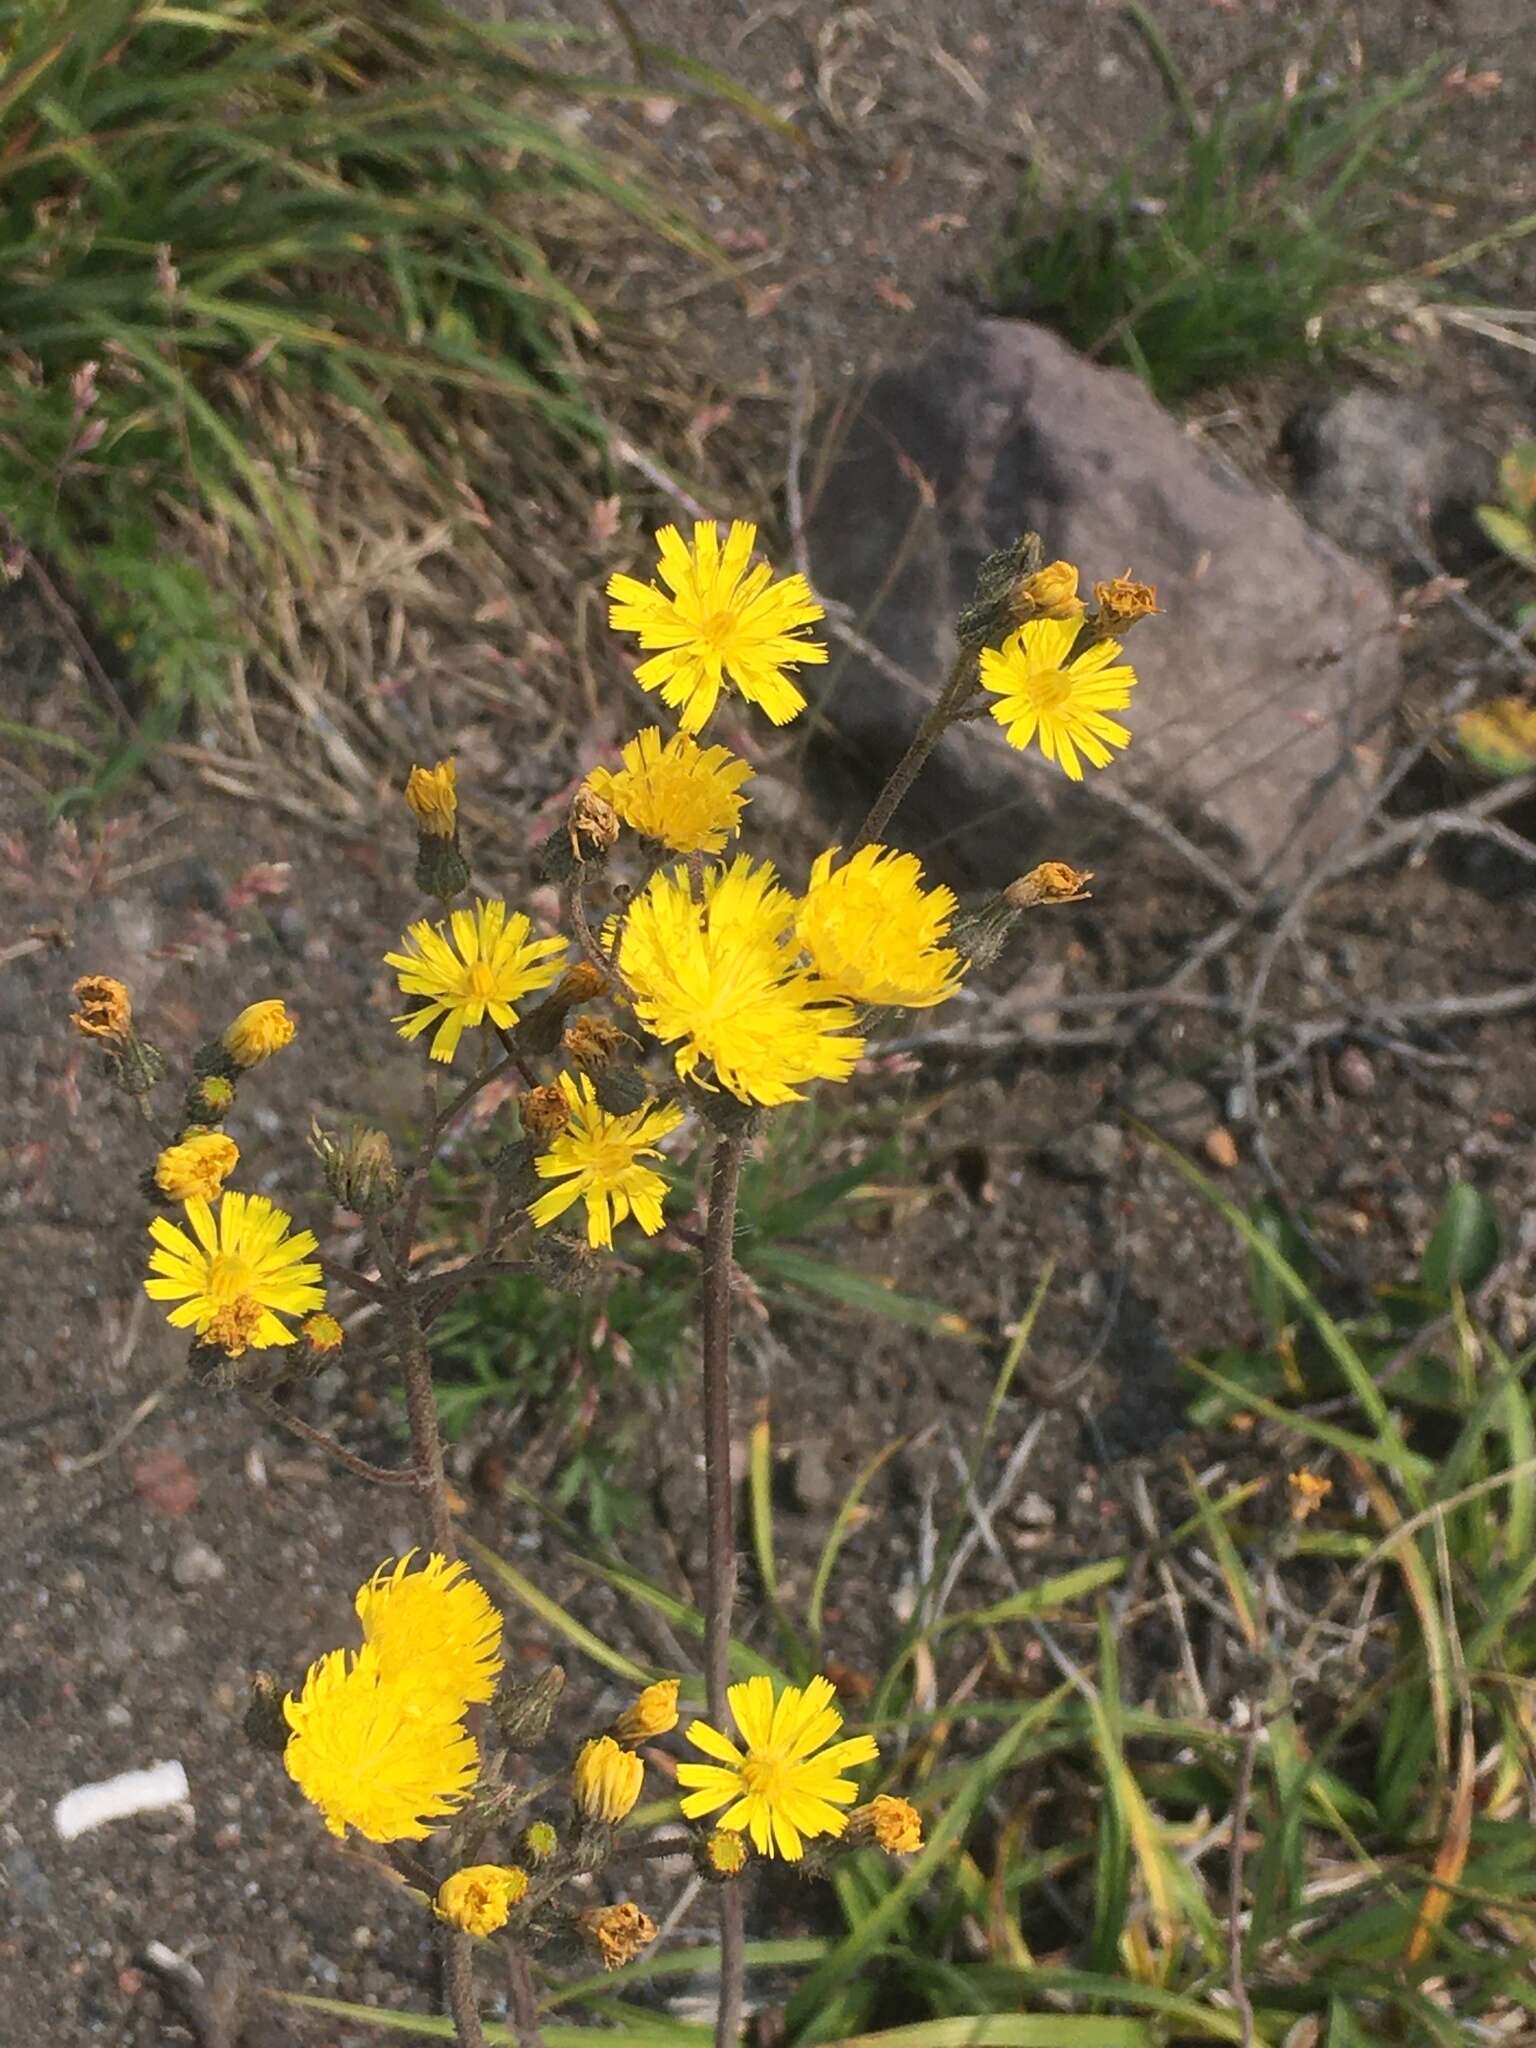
[
  {"x": 323, "y": 1334},
  {"x": 1308, "y": 1492},
  {"x": 1063, "y": 705},
  {"x": 540, "y": 1841},
  {"x": 873, "y": 932},
  {"x": 774, "y": 1784},
  {"x": 480, "y": 1899},
  {"x": 606, "y": 1780},
  {"x": 489, "y": 966},
  {"x": 1050, "y": 593},
  {"x": 653, "y": 1713},
  {"x": 721, "y": 981},
  {"x": 371, "y": 1754},
  {"x": 725, "y": 1854},
  {"x": 242, "y": 1260},
  {"x": 198, "y": 1163},
  {"x": 722, "y": 622},
  {"x": 105, "y": 1008},
  {"x": 432, "y": 794},
  {"x": 597, "y": 1159},
  {"x": 894, "y": 1825},
  {"x": 618, "y": 1933},
  {"x": 260, "y": 1030},
  {"x": 679, "y": 793},
  {"x": 433, "y": 1627}
]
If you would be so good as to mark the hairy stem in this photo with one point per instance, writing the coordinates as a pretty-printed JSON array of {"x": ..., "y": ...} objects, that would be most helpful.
[
  {"x": 524, "y": 2010},
  {"x": 459, "y": 1988},
  {"x": 945, "y": 710},
  {"x": 715, "y": 1319},
  {"x": 380, "y": 1475}
]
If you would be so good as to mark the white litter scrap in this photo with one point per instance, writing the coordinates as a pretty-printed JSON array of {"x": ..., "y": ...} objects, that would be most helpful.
[{"x": 131, "y": 1792}]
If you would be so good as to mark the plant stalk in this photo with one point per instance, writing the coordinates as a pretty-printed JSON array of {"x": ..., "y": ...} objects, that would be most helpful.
[
  {"x": 943, "y": 713},
  {"x": 715, "y": 1322}
]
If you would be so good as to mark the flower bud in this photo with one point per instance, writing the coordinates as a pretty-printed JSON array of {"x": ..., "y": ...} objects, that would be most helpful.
[
  {"x": 1120, "y": 603},
  {"x": 432, "y": 794},
  {"x": 540, "y": 1841},
  {"x": 621, "y": 1091},
  {"x": 1050, "y": 593},
  {"x": 653, "y": 1713},
  {"x": 523, "y": 1712},
  {"x": 580, "y": 983},
  {"x": 544, "y": 1111},
  {"x": 441, "y": 869},
  {"x": 260, "y": 1030},
  {"x": 894, "y": 1825},
  {"x": 989, "y": 616},
  {"x": 209, "y": 1100},
  {"x": 1052, "y": 882},
  {"x": 721, "y": 1857},
  {"x": 606, "y": 1780},
  {"x": 593, "y": 1043},
  {"x": 360, "y": 1170},
  {"x": 479, "y": 1900},
  {"x": 198, "y": 1164},
  {"x": 618, "y": 1933},
  {"x": 592, "y": 823},
  {"x": 104, "y": 1009},
  {"x": 322, "y": 1334}
]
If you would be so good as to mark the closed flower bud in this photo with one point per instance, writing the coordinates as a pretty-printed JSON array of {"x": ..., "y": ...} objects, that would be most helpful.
[
  {"x": 1050, "y": 593},
  {"x": 540, "y": 1841},
  {"x": 1052, "y": 882},
  {"x": 618, "y": 1933},
  {"x": 721, "y": 1857},
  {"x": 580, "y": 983},
  {"x": 210, "y": 1099},
  {"x": 198, "y": 1164},
  {"x": 653, "y": 1713},
  {"x": 592, "y": 823},
  {"x": 990, "y": 615},
  {"x": 432, "y": 794},
  {"x": 322, "y": 1334},
  {"x": 360, "y": 1169},
  {"x": 1121, "y": 602},
  {"x": 593, "y": 1043},
  {"x": 621, "y": 1091},
  {"x": 441, "y": 869},
  {"x": 523, "y": 1712},
  {"x": 606, "y": 1780},
  {"x": 260, "y": 1030},
  {"x": 544, "y": 1111},
  {"x": 894, "y": 1825},
  {"x": 104, "y": 1008},
  {"x": 479, "y": 1900}
]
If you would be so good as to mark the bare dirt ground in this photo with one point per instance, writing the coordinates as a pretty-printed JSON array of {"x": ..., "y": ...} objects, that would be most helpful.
[{"x": 160, "y": 1543}]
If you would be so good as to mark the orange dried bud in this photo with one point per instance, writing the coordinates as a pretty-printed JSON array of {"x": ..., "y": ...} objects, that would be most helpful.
[
  {"x": 545, "y": 1111},
  {"x": 592, "y": 822},
  {"x": 592, "y": 1043},
  {"x": 618, "y": 1933},
  {"x": 579, "y": 984},
  {"x": 1122, "y": 602},
  {"x": 1308, "y": 1492},
  {"x": 105, "y": 1008},
  {"x": 1052, "y": 882}
]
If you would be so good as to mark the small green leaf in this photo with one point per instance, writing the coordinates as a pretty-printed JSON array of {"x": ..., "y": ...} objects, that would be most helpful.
[{"x": 1465, "y": 1247}]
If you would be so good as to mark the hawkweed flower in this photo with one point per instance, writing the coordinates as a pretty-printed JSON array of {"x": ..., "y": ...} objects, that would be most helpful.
[
  {"x": 779, "y": 1782},
  {"x": 433, "y": 796},
  {"x": 434, "y": 1628},
  {"x": 717, "y": 622},
  {"x": 1061, "y": 704},
  {"x": 260, "y": 1030},
  {"x": 360, "y": 1169},
  {"x": 479, "y": 1899},
  {"x": 237, "y": 1275},
  {"x": 484, "y": 971},
  {"x": 722, "y": 1856},
  {"x": 653, "y": 1713},
  {"x": 618, "y": 1933},
  {"x": 894, "y": 1825},
  {"x": 322, "y": 1334},
  {"x": 875, "y": 934},
  {"x": 1308, "y": 1491},
  {"x": 606, "y": 1780},
  {"x": 1050, "y": 593},
  {"x": 681, "y": 794},
  {"x": 373, "y": 1754},
  {"x": 720, "y": 979},
  {"x": 103, "y": 1008},
  {"x": 598, "y": 1158},
  {"x": 198, "y": 1163}
]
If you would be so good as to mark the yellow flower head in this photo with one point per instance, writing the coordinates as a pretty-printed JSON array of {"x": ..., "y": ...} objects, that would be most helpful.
[
  {"x": 894, "y": 1825},
  {"x": 597, "y": 1159},
  {"x": 211, "y": 1095},
  {"x": 718, "y": 621},
  {"x": 1308, "y": 1492},
  {"x": 104, "y": 1008},
  {"x": 725, "y": 1854},
  {"x": 480, "y": 1899},
  {"x": 606, "y": 1780},
  {"x": 239, "y": 1270},
  {"x": 198, "y": 1163},
  {"x": 260, "y": 1030},
  {"x": 1042, "y": 696},
  {"x": 434, "y": 1628},
  {"x": 680, "y": 793},
  {"x": 372, "y": 1754},
  {"x": 653, "y": 1713},
  {"x": 618, "y": 1933},
  {"x": 323, "y": 1334},
  {"x": 774, "y": 1783},
  {"x": 874, "y": 933},
  {"x": 1050, "y": 593},
  {"x": 540, "y": 1841},
  {"x": 721, "y": 980},
  {"x": 433, "y": 796},
  {"x": 487, "y": 968}
]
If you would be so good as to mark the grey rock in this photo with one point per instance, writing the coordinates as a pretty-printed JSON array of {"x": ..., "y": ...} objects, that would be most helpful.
[
  {"x": 1384, "y": 474},
  {"x": 814, "y": 1486},
  {"x": 1178, "y": 1108},
  {"x": 1035, "y": 1512},
  {"x": 1265, "y": 688},
  {"x": 1090, "y": 1153},
  {"x": 196, "y": 1565}
]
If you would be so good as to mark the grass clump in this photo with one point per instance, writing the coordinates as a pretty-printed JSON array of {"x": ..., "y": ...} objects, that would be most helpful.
[
  {"x": 247, "y": 249},
  {"x": 1234, "y": 252}
]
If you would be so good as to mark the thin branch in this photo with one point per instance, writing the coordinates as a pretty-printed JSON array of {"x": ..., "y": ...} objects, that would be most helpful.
[{"x": 378, "y": 1475}]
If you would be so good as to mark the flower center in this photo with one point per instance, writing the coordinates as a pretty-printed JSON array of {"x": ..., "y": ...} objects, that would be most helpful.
[
  {"x": 1047, "y": 689},
  {"x": 228, "y": 1278},
  {"x": 718, "y": 631},
  {"x": 480, "y": 982},
  {"x": 235, "y": 1325},
  {"x": 765, "y": 1776}
]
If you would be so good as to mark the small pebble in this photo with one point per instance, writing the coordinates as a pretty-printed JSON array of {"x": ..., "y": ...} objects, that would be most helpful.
[
  {"x": 1221, "y": 1148},
  {"x": 1353, "y": 1073},
  {"x": 196, "y": 1565}
]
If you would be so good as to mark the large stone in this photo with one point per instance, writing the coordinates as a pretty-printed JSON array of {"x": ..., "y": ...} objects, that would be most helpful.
[{"x": 1266, "y": 687}]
